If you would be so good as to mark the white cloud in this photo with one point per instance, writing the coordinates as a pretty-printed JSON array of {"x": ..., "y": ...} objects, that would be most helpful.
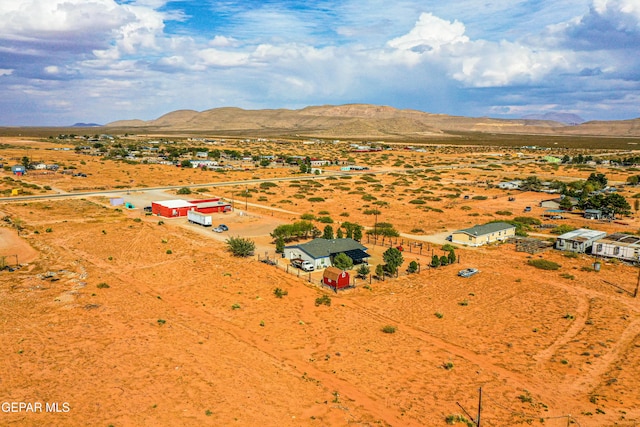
[
  {"x": 476, "y": 63},
  {"x": 5, "y": 72},
  {"x": 52, "y": 69},
  {"x": 222, "y": 41},
  {"x": 221, "y": 58},
  {"x": 431, "y": 32},
  {"x": 34, "y": 19}
]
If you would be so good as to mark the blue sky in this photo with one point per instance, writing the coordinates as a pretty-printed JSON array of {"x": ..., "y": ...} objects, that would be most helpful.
[{"x": 68, "y": 61}]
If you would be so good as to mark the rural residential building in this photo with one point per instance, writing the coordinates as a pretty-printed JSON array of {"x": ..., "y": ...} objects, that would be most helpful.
[
  {"x": 593, "y": 214},
  {"x": 580, "y": 240},
  {"x": 317, "y": 162},
  {"x": 483, "y": 234},
  {"x": 336, "y": 278},
  {"x": 203, "y": 163},
  {"x": 618, "y": 245},
  {"x": 320, "y": 252},
  {"x": 510, "y": 185},
  {"x": 18, "y": 170},
  {"x": 555, "y": 203}
]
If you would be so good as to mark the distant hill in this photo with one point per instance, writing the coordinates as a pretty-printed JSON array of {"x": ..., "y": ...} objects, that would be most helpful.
[
  {"x": 365, "y": 121},
  {"x": 566, "y": 118},
  {"x": 86, "y": 125}
]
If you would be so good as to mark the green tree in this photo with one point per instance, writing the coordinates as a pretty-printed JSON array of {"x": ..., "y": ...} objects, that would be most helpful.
[
  {"x": 339, "y": 234},
  {"x": 353, "y": 231},
  {"x": 617, "y": 204},
  {"x": 184, "y": 190},
  {"x": 380, "y": 271},
  {"x": 25, "y": 162},
  {"x": 531, "y": 183},
  {"x": 598, "y": 179},
  {"x": 363, "y": 271},
  {"x": 328, "y": 233},
  {"x": 357, "y": 233},
  {"x": 451, "y": 258},
  {"x": 444, "y": 260},
  {"x": 413, "y": 267},
  {"x": 265, "y": 162},
  {"x": 342, "y": 261},
  {"x": 185, "y": 164},
  {"x": 565, "y": 204},
  {"x": 435, "y": 261},
  {"x": 393, "y": 259},
  {"x": 279, "y": 245},
  {"x": 240, "y": 246}
]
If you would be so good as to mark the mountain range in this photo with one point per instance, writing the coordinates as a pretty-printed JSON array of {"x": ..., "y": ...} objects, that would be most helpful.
[{"x": 370, "y": 122}]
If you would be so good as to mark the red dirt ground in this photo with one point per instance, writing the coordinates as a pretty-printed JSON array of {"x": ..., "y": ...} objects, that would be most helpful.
[{"x": 104, "y": 318}]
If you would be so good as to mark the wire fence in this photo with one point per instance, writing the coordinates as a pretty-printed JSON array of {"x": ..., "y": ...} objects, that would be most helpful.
[{"x": 421, "y": 265}]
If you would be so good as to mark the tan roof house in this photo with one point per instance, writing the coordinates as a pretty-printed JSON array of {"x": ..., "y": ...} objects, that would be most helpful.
[{"x": 483, "y": 234}]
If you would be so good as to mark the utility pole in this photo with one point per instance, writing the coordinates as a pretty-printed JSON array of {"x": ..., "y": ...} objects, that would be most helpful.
[
  {"x": 479, "y": 406},
  {"x": 375, "y": 227}
]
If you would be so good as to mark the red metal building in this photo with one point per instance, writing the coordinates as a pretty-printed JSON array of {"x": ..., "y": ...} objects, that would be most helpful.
[
  {"x": 336, "y": 278},
  {"x": 172, "y": 208},
  {"x": 206, "y": 206},
  {"x": 177, "y": 208}
]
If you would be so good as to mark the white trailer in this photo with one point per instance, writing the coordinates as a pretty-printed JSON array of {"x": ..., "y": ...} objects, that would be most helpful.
[{"x": 199, "y": 218}]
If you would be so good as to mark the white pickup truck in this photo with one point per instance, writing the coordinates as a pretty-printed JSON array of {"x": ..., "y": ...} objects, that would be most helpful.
[{"x": 302, "y": 264}]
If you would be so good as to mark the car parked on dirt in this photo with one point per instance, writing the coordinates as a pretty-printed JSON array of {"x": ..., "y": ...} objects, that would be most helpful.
[
  {"x": 302, "y": 264},
  {"x": 468, "y": 272},
  {"x": 221, "y": 228}
]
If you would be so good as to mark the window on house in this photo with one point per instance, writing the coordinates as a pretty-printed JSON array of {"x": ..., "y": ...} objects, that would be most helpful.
[
  {"x": 599, "y": 247},
  {"x": 616, "y": 250},
  {"x": 575, "y": 245}
]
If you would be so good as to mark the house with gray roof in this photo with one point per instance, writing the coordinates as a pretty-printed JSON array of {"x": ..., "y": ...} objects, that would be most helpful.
[
  {"x": 484, "y": 234},
  {"x": 580, "y": 240},
  {"x": 320, "y": 252}
]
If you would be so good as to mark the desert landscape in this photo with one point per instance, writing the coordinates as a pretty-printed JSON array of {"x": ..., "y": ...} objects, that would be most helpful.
[{"x": 125, "y": 318}]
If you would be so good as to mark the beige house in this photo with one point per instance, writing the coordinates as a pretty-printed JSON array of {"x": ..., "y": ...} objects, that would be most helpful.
[{"x": 484, "y": 234}]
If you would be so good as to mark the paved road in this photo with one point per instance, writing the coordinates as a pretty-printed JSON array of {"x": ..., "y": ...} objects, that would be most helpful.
[{"x": 120, "y": 191}]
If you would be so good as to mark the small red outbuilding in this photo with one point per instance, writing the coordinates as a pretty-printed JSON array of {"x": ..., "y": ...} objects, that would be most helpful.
[{"x": 336, "y": 278}]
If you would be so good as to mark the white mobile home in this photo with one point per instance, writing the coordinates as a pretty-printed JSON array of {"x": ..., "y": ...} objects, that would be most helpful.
[{"x": 618, "y": 245}]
